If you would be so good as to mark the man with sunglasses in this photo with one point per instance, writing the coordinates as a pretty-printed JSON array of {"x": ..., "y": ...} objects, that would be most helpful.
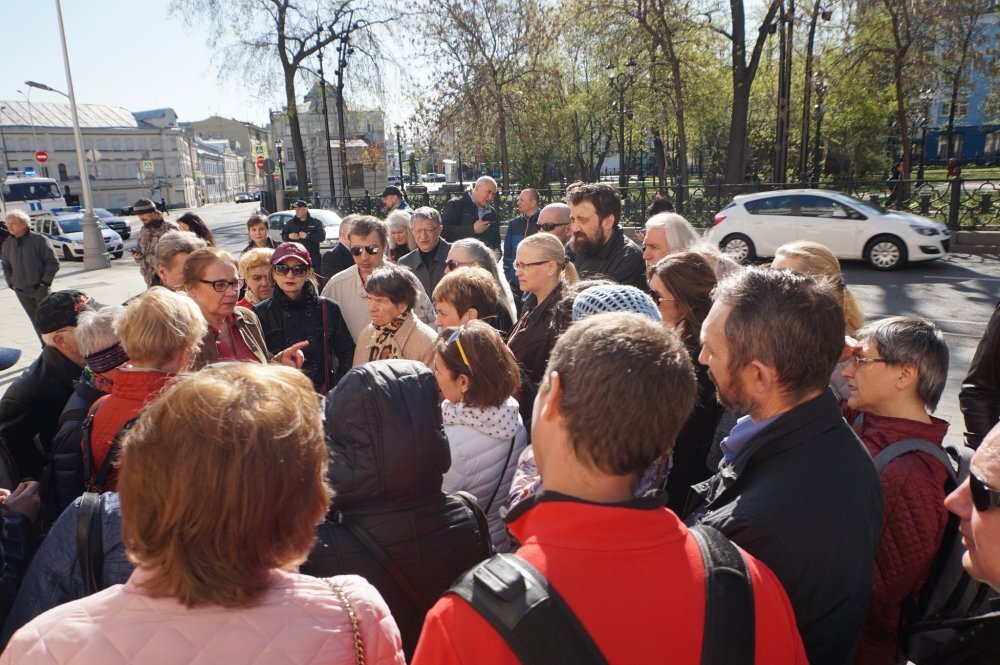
[
  {"x": 898, "y": 373},
  {"x": 977, "y": 504},
  {"x": 518, "y": 229}
]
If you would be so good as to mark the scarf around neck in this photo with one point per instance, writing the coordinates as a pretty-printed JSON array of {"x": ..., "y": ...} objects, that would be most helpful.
[{"x": 384, "y": 345}]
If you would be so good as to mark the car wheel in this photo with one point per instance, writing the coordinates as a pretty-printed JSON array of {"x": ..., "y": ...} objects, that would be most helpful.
[
  {"x": 885, "y": 253},
  {"x": 67, "y": 255},
  {"x": 739, "y": 247},
  {"x": 120, "y": 254}
]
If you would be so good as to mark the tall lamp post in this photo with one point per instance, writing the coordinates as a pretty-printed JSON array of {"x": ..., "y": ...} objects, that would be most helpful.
[
  {"x": 927, "y": 97},
  {"x": 344, "y": 50},
  {"x": 819, "y": 82},
  {"x": 279, "y": 146},
  {"x": 620, "y": 81},
  {"x": 95, "y": 256},
  {"x": 326, "y": 121},
  {"x": 399, "y": 152}
]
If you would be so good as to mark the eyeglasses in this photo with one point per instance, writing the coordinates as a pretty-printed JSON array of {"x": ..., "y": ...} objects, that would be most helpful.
[
  {"x": 518, "y": 265},
  {"x": 456, "y": 338},
  {"x": 548, "y": 226},
  {"x": 220, "y": 285},
  {"x": 657, "y": 298},
  {"x": 983, "y": 496},
  {"x": 452, "y": 264},
  {"x": 424, "y": 232},
  {"x": 861, "y": 360},
  {"x": 371, "y": 249},
  {"x": 299, "y": 269}
]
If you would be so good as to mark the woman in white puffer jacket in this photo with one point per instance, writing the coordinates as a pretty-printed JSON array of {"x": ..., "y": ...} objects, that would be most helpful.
[{"x": 477, "y": 375}]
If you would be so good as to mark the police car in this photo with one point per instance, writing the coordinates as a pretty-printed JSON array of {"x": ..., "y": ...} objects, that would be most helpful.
[{"x": 63, "y": 228}]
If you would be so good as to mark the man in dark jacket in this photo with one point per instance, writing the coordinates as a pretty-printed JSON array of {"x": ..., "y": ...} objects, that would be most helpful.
[
  {"x": 471, "y": 215},
  {"x": 980, "y": 395},
  {"x": 31, "y": 406},
  {"x": 518, "y": 229},
  {"x": 599, "y": 243},
  {"x": 306, "y": 230},
  {"x": 339, "y": 258},
  {"x": 29, "y": 264},
  {"x": 392, "y": 199},
  {"x": 796, "y": 488},
  {"x": 427, "y": 261}
]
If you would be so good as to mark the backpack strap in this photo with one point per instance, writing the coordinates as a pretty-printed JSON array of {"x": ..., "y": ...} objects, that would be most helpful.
[
  {"x": 90, "y": 542},
  {"x": 503, "y": 472},
  {"x": 104, "y": 473},
  {"x": 524, "y": 609},
  {"x": 88, "y": 451},
  {"x": 402, "y": 581},
  {"x": 728, "y": 637},
  {"x": 905, "y": 446},
  {"x": 472, "y": 505},
  {"x": 326, "y": 350},
  {"x": 72, "y": 414}
]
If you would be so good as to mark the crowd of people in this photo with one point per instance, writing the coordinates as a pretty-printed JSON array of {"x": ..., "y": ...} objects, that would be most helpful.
[{"x": 440, "y": 443}]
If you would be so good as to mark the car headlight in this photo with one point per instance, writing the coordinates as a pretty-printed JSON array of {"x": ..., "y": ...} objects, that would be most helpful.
[{"x": 925, "y": 230}]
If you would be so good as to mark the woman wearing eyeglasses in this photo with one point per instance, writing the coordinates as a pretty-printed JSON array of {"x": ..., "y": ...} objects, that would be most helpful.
[
  {"x": 478, "y": 376},
  {"x": 296, "y": 313},
  {"x": 471, "y": 252},
  {"x": 896, "y": 377},
  {"x": 542, "y": 269},
  {"x": 681, "y": 286}
]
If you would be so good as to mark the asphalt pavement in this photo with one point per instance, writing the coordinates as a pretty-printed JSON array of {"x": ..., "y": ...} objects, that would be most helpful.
[{"x": 958, "y": 293}]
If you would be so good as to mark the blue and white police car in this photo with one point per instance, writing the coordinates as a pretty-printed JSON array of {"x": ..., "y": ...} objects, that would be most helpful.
[{"x": 63, "y": 228}]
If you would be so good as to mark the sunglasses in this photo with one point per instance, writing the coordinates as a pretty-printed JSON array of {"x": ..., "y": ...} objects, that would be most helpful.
[
  {"x": 452, "y": 264},
  {"x": 371, "y": 249},
  {"x": 456, "y": 338},
  {"x": 657, "y": 298},
  {"x": 220, "y": 285},
  {"x": 299, "y": 269},
  {"x": 983, "y": 496},
  {"x": 548, "y": 226}
]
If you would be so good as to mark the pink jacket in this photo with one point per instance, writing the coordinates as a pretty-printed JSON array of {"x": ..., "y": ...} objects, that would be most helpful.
[{"x": 299, "y": 620}]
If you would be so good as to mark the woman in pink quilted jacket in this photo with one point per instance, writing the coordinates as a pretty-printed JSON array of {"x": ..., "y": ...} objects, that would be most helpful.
[{"x": 222, "y": 483}]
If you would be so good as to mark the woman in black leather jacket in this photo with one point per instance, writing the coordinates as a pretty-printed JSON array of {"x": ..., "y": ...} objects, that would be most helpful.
[
  {"x": 296, "y": 312},
  {"x": 389, "y": 518}
]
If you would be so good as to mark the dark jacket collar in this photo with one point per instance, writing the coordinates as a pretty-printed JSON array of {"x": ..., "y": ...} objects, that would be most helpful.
[{"x": 647, "y": 502}]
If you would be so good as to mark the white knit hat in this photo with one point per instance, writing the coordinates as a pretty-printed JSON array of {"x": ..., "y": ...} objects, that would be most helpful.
[{"x": 614, "y": 298}]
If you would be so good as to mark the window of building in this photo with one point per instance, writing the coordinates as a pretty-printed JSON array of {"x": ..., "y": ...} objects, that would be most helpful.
[
  {"x": 992, "y": 142},
  {"x": 961, "y": 109},
  {"x": 956, "y": 142},
  {"x": 63, "y": 175}
]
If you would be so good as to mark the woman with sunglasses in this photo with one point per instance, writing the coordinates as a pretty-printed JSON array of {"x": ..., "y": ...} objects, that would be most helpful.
[
  {"x": 478, "y": 376},
  {"x": 234, "y": 333},
  {"x": 296, "y": 313},
  {"x": 681, "y": 286},
  {"x": 472, "y": 252},
  {"x": 542, "y": 269},
  {"x": 896, "y": 376}
]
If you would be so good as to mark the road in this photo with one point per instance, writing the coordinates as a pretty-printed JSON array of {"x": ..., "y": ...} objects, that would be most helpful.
[{"x": 957, "y": 293}]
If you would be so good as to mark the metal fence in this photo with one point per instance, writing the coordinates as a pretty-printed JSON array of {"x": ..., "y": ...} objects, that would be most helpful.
[{"x": 961, "y": 204}]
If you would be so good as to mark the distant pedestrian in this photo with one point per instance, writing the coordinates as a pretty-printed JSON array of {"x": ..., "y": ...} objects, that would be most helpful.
[
  {"x": 896, "y": 183},
  {"x": 153, "y": 226},
  {"x": 29, "y": 264},
  {"x": 392, "y": 199},
  {"x": 471, "y": 215},
  {"x": 306, "y": 230}
]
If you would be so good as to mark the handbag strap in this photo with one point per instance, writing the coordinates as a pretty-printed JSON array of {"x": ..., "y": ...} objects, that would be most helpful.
[
  {"x": 503, "y": 472},
  {"x": 90, "y": 542},
  {"x": 481, "y": 523},
  {"x": 390, "y": 566},
  {"x": 359, "y": 642},
  {"x": 326, "y": 350}
]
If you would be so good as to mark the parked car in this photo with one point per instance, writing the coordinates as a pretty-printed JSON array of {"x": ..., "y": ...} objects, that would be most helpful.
[
  {"x": 256, "y": 195},
  {"x": 755, "y": 225},
  {"x": 243, "y": 197},
  {"x": 114, "y": 222},
  {"x": 329, "y": 219},
  {"x": 63, "y": 228}
]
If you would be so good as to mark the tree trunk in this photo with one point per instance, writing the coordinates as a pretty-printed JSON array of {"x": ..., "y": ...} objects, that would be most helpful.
[
  {"x": 955, "y": 84},
  {"x": 502, "y": 138},
  {"x": 678, "y": 84},
  {"x": 298, "y": 150},
  {"x": 904, "y": 128}
]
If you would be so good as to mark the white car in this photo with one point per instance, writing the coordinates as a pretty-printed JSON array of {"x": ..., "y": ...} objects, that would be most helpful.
[
  {"x": 755, "y": 225},
  {"x": 64, "y": 231},
  {"x": 329, "y": 219}
]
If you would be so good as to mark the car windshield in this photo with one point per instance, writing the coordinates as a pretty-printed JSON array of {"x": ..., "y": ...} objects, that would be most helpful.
[
  {"x": 862, "y": 206},
  {"x": 28, "y": 191},
  {"x": 102, "y": 213},
  {"x": 75, "y": 224}
]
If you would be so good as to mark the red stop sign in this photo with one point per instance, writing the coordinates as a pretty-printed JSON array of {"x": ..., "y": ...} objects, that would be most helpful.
[
  {"x": 41, "y": 156},
  {"x": 260, "y": 162}
]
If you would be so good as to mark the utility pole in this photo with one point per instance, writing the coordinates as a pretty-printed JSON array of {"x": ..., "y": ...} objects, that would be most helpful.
[{"x": 326, "y": 121}]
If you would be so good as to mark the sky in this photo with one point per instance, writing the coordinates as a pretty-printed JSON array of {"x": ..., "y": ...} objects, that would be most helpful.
[{"x": 128, "y": 53}]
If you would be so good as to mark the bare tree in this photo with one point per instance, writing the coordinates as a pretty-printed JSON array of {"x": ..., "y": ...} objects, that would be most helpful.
[{"x": 962, "y": 38}]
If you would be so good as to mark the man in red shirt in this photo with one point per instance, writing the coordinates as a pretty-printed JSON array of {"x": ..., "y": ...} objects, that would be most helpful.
[{"x": 617, "y": 389}]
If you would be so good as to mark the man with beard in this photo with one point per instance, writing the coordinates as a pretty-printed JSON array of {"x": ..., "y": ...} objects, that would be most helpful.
[
  {"x": 796, "y": 487},
  {"x": 600, "y": 245}
]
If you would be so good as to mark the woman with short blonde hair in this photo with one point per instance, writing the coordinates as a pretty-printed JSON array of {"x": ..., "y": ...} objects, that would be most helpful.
[
  {"x": 813, "y": 259},
  {"x": 223, "y": 482}
]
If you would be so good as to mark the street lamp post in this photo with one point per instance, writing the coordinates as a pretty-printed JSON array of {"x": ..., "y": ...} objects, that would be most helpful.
[
  {"x": 326, "y": 121},
  {"x": 927, "y": 97},
  {"x": 399, "y": 152},
  {"x": 820, "y": 84},
  {"x": 279, "y": 147},
  {"x": 95, "y": 256},
  {"x": 620, "y": 82},
  {"x": 344, "y": 50}
]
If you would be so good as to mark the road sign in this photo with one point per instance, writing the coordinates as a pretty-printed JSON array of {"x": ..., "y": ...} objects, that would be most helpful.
[
  {"x": 147, "y": 165},
  {"x": 41, "y": 156},
  {"x": 275, "y": 176},
  {"x": 259, "y": 150},
  {"x": 269, "y": 166},
  {"x": 260, "y": 162}
]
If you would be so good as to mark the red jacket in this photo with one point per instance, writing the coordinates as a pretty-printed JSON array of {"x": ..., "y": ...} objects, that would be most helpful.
[
  {"x": 913, "y": 523},
  {"x": 634, "y": 577},
  {"x": 130, "y": 392}
]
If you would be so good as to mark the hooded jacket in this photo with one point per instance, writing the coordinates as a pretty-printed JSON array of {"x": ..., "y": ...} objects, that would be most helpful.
[
  {"x": 388, "y": 453},
  {"x": 486, "y": 443}
]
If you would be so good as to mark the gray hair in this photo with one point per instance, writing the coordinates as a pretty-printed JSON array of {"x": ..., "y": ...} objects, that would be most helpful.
[
  {"x": 19, "y": 215},
  {"x": 95, "y": 330},
  {"x": 908, "y": 340},
  {"x": 426, "y": 212},
  {"x": 786, "y": 320},
  {"x": 485, "y": 257},
  {"x": 398, "y": 219},
  {"x": 484, "y": 179},
  {"x": 679, "y": 233},
  {"x": 173, "y": 243}
]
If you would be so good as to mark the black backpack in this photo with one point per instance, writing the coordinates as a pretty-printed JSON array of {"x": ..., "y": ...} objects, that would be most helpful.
[{"x": 541, "y": 628}]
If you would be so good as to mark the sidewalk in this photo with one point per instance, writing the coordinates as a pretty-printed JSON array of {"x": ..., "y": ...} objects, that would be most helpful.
[{"x": 111, "y": 286}]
